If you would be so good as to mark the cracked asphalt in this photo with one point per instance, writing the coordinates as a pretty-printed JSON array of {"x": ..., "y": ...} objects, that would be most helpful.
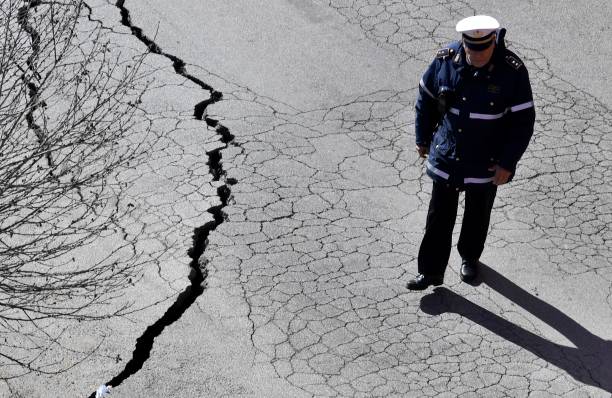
[{"x": 305, "y": 268}]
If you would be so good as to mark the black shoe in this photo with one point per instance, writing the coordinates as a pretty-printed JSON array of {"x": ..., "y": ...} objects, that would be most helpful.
[
  {"x": 421, "y": 282},
  {"x": 469, "y": 270}
]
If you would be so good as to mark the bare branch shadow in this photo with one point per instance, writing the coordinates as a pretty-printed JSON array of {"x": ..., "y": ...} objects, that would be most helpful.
[{"x": 590, "y": 363}]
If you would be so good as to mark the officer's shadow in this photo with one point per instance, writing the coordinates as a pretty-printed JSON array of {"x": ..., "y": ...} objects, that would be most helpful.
[{"x": 589, "y": 363}]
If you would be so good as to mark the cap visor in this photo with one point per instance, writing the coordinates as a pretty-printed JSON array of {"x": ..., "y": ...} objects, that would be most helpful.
[{"x": 478, "y": 46}]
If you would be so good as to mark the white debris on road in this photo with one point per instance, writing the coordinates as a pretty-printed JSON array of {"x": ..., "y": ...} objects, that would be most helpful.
[{"x": 103, "y": 391}]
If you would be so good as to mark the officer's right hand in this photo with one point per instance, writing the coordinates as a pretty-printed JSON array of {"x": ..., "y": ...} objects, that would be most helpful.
[{"x": 422, "y": 151}]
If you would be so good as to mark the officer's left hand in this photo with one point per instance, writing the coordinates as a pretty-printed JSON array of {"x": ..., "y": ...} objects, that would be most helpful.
[{"x": 501, "y": 175}]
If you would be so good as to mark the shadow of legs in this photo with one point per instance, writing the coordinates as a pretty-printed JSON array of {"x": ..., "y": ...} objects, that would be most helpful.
[{"x": 590, "y": 363}]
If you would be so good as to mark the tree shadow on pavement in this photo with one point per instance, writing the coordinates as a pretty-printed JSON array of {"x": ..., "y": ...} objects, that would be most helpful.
[{"x": 589, "y": 363}]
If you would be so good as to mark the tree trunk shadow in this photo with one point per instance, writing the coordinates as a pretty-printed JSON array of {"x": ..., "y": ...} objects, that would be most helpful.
[{"x": 589, "y": 363}]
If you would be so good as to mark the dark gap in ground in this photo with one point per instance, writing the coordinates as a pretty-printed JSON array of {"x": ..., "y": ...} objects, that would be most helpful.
[{"x": 198, "y": 272}]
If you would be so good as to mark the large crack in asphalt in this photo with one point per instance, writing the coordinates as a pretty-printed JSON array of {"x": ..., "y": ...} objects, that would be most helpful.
[
  {"x": 35, "y": 102},
  {"x": 198, "y": 271}
]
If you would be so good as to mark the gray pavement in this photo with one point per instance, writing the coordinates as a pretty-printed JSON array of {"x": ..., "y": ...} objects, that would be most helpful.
[{"x": 305, "y": 274}]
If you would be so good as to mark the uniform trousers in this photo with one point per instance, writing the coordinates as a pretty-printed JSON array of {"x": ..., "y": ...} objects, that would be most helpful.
[{"x": 435, "y": 248}]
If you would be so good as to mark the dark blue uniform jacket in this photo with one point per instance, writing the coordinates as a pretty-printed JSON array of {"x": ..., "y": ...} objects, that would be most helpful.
[{"x": 489, "y": 115}]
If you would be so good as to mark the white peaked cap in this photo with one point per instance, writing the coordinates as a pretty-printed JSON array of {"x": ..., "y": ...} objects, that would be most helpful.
[{"x": 477, "y": 26}]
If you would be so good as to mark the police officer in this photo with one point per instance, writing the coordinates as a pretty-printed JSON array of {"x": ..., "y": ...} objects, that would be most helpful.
[{"x": 474, "y": 119}]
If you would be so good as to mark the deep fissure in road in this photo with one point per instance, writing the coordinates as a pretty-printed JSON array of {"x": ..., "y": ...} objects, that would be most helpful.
[
  {"x": 198, "y": 272},
  {"x": 35, "y": 102}
]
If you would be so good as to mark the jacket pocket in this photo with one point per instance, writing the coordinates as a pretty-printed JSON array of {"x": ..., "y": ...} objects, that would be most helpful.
[{"x": 443, "y": 144}]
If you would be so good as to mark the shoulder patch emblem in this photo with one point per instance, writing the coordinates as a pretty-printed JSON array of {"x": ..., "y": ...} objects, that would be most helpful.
[
  {"x": 513, "y": 62},
  {"x": 445, "y": 53}
]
